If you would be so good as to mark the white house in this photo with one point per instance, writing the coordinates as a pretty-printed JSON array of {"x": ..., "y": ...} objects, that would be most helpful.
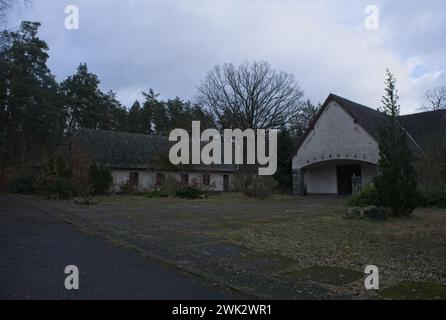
[
  {"x": 343, "y": 141},
  {"x": 141, "y": 161}
]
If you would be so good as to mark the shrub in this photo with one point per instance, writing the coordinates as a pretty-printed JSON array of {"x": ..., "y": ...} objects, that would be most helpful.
[
  {"x": 265, "y": 187},
  {"x": 127, "y": 188},
  {"x": 23, "y": 182},
  {"x": 56, "y": 188},
  {"x": 208, "y": 189},
  {"x": 189, "y": 193},
  {"x": 255, "y": 186},
  {"x": 433, "y": 199},
  {"x": 368, "y": 197},
  {"x": 80, "y": 163},
  {"x": 56, "y": 167},
  {"x": 100, "y": 178},
  {"x": 56, "y": 182},
  {"x": 170, "y": 185}
]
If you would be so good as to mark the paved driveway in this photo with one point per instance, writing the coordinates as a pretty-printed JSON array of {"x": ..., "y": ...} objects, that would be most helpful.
[{"x": 36, "y": 247}]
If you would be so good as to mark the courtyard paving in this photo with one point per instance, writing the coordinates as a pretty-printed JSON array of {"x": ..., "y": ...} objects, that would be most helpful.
[{"x": 281, "y": 248}]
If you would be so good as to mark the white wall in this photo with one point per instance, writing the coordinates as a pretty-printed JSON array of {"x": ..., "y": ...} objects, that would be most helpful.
[
  {"x": 321, "y": 180},
  {"x": 335, "y": 139},
  {"x": 216, "y": 180},
  {"x": 147, "y": 179},
  {"x": 336, "y": 136}
]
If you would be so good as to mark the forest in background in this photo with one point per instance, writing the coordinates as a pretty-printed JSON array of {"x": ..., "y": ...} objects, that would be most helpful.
[{"x": 39, "y": 114}]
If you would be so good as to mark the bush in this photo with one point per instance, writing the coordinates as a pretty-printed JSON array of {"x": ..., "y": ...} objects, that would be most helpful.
[
  {"x": 59, "y": 187},
  {"x": 56, "y": 182},
  {"x": 127, "y": 188},
  {"x": 255, "y": 186},
  {"x": 56, "y": 167},
  {"x": 368, "y": 197},
  {"x": 189, "y": 193},
  {"x": 100, "y": 178},
  {"x": 23, "y": 182},
  {"x": 170, "y": 185},
  {"x": 433, "y": 199}
]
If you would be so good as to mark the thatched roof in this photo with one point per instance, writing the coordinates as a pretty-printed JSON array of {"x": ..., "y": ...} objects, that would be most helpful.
[
  {"x": 122, "y": 150},
  {"x": 422, "y": 128}
]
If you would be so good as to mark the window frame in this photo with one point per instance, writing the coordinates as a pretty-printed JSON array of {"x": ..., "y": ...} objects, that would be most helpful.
[
  {"x": 132, "y": 181},
  {"x": 206, "y": 179}
]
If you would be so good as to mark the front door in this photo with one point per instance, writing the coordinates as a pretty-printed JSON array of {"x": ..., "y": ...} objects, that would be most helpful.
[
  {"x": 226, "y": 183},
  {"x": 345, "y": 174}
]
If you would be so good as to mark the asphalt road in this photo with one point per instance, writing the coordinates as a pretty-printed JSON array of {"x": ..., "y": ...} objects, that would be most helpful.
[{"x": 35, "y": 248}]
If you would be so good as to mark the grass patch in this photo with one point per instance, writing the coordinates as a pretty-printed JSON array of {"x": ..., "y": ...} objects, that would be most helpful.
[
  {"x": 328, "y": 275},
  {"x": 409, "y": 290},
  {"x": 269, "y": 262}
]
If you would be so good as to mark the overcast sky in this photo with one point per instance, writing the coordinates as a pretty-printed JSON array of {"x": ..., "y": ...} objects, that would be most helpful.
[{"x": 134, "y": 45}]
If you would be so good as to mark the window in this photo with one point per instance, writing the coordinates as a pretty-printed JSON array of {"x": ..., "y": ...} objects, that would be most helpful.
[
  {"x": 185, "y": 179},
  {"x": 206, "y": 180},
  {"x": 160, "y": 179},
  {"x": 134, "y": 178}
]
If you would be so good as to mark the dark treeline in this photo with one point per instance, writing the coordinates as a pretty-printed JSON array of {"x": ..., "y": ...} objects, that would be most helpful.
[{"x": 37, "y": 113}]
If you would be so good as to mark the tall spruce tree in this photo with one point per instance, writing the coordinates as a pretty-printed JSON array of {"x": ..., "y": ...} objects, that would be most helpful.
[{"x": 397, "y": 183}]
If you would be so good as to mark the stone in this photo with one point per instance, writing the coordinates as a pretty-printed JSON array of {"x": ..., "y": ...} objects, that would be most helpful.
[
  {"x": 353, "y": 213},
  {"x": 375, "y": 213},
  {"x": 85, "y": 200}
]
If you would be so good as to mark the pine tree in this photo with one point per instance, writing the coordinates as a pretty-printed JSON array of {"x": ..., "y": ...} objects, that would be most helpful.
[
  {"x": 397, "y": 183},
  {"x": 83, "y": 100},
  {"x": 149, "y": 108},
  {"x": 134, "y": 118},
  {"x": 31, "y": 114},
  {"x": 115, "y": 115}
]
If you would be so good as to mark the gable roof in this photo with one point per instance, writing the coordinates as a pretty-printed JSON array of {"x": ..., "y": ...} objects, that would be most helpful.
[
  {"x": 428, "y": 130},
  {"x": 422, "y": 128},
  {"x": 123, "y": 150},
  {"x": 369, "y": 119}
]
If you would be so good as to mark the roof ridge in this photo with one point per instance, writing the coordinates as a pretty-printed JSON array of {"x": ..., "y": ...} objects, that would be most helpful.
[
  {"x": 335, "y": 96},
  {"x": 422, "y": 112}
]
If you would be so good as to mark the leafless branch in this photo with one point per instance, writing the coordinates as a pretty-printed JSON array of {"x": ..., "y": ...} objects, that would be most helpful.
[
  {"x": 434, "y": 99},
  {"x": 7, "y": 5},
  {"x": 251, "y": 95}
]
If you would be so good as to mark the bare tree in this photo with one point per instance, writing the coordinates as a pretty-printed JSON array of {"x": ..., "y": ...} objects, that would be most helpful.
[
  {"x": 251, "y": 95},
  {"x": 303, "y": 118},
  {"x": 7, "y": 5},
  {"x": 434, "y": 99}
]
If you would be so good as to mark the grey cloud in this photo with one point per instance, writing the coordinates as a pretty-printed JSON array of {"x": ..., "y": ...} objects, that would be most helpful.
[{"x": 170, "y": 45}]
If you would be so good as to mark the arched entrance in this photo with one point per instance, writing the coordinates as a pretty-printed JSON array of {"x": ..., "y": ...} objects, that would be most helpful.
[{"x": 338, "y": 176}]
